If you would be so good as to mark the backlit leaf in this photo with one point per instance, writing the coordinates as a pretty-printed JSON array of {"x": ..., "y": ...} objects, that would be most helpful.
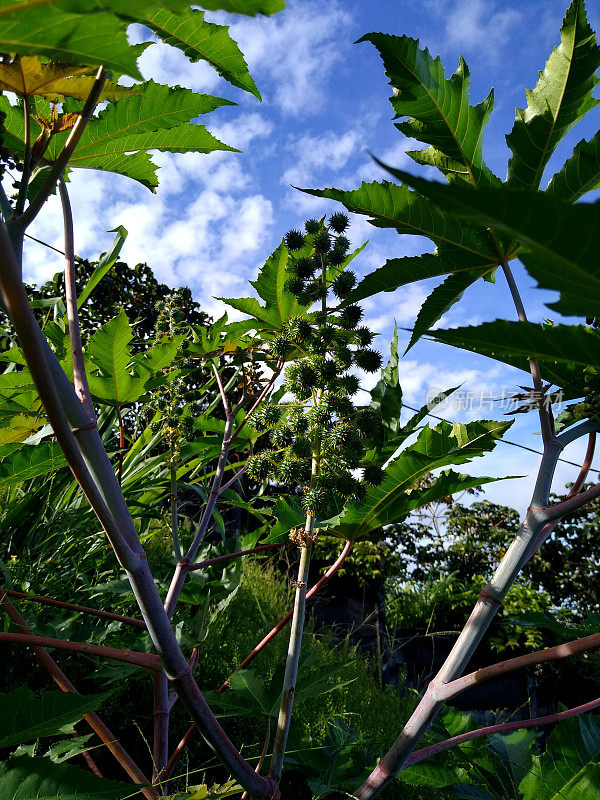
[
  {"x": 438, "y": 108},
  {"x": 562, "y": 96}
]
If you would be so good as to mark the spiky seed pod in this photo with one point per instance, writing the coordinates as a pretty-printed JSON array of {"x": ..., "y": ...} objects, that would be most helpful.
[
  {"x": 312, "y": 226},
  {"x": 319, "y": 415},
  {"x": 343, "y": 357},
  {"x": 322, "y": 242},
  {"x": 342, "y": 244},
  {"x": 286, "y": 470},
  {"x": 346, "y": 484},
  {"x": 316, "y": 291},
  {"x": 294, "y": 240},
  {"x": 304, "y": 268},
  {"x": 338, "y": 222},
  {"x": 304, "y": 298},
  {"x": 301, "y": 448},
  {"x": 368, "y": 421},
  {"x": 282, "y": 436},
  {"x": 280, "y": 346},
  {"x": 336, "y": 258},
  {"x": 350, "y": 316},
  {"x": 328, "y": 371},
  {"x": 314, "y": 500},
  {"x": 259, "y": 466},
  {"x": 342, "y": 406},
  {"x": 348, "y": 385},
  {"x": 271, "y": 414},
  {"x": 300, "y": 377},
  {"x": 364, "y": 336},
  {"x": 368, "y": 360},
  {"x": 343, "y": 284},
  {"x": 298, "y": 422},
  {"x": 360, "y": 490},
  {"x": 299, "y": 329},
  {"x": 373, "y": 475},
  {"x": 294, "y": 285},
  {"x": 187, "y": 428}
]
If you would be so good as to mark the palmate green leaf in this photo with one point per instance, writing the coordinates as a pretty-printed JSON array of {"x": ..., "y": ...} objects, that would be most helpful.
[
  {"x": 392, "y": 501},
  {"x": 23, "y": 717},
  {"x": 562, "y": 96},
  {"x": 398, "y": 272},
  {"x": 69, "y": 38},
  {"x": 201, "y": 40},
  {"x": 441, "y": 300},
  {"x": 437, "y": 447},
  {"x": 131, "y": 11},
  {"x": 20, "y": 427},
  {"x": 386, "y": 395},
  {"x": 392, "y": 206},
  {"x": 25, "y": 778},
  {"x": 580, "y": 173},
  {"x": 563, "y": 239},
  {"x": 20, "y": 463},
  {"x": 104, "y": 264},
  {"x": 249, "y": 7},
  {"x": 128, "y": 155},
  {"x": 562, "y": 351},
  {"x": 438, "y": 109},
  {"x": 280, "y": 305},
  {"x": 114, "y": 375},
  {"x": 569, "y": 769}
]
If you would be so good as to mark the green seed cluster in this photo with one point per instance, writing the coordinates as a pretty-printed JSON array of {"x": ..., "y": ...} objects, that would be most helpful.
[
  {"x": 319, "y": 441},
  {"x": 172, "y": 398}
]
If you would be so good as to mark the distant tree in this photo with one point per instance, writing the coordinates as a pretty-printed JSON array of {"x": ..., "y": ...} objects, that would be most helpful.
[{"x": 471, "y": 540}]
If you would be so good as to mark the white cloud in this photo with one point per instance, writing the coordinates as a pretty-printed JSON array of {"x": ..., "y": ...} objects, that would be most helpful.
[
  {"x": 315, "y": 154},
  {"x": 297, "y": 49},
  {"x": 166, "y": 64},
  {"x": 479, "y": 25}
]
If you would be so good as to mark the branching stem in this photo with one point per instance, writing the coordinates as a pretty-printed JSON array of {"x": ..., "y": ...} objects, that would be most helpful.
[{"x": 79, "y": 375}]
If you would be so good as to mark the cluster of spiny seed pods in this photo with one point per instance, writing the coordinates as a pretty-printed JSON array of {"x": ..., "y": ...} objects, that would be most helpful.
[
  {"x": 318, "y": 441},
  {"x": 171, "y": 398}
]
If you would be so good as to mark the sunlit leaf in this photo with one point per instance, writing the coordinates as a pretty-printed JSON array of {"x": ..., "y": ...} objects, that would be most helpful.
[
  {"x": 562, "y": 96},
  {"x": 438, "y": 108}
]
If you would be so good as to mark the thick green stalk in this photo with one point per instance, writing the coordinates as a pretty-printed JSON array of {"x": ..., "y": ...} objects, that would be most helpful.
[
  {"x": 293, "y": 657},
  {"x": 65, "y": 411}
]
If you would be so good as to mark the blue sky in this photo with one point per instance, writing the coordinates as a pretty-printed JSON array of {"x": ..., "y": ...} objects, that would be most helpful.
[{"x": 216, "y": 218}]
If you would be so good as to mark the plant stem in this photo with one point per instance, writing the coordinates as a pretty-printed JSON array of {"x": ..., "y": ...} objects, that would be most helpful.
[
  {"x": 57, "y": 169},
  {"x": 79, "y": 375},
  {"x": 25, "y": 175},
  {"x": 293, "y": 658},
  {"x": 505, "y": 727},
  {"x": 93, "y": 720},
  {"x": 160, "y": 751},
  {"x": 484, "y": 611},
  {"x": 229, "y": 556},
  {"x": 538, "y": 386},
  {"x": 146, "y": 660},
  {"x": 284, "y": 621},
  {"x": 174, "y": 515},
  {"x": 96, "y": 612},
  {"x": 109, "y": 504}
]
